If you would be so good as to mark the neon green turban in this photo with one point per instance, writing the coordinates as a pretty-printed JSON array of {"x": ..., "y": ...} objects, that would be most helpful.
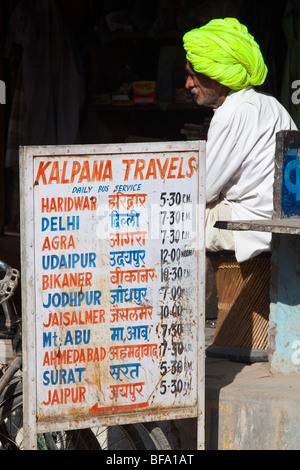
[{"x": 225, "y": 51}]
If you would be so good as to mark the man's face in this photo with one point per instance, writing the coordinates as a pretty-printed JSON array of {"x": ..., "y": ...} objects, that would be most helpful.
[{"x": 205, "y": 91}]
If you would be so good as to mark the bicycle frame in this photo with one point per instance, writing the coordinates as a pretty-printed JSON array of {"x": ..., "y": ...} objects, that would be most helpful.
[
  {"x": 8, "y": 284},
  {"x": 7, "y": 287}
]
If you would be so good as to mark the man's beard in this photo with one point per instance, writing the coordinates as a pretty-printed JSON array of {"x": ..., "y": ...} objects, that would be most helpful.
[{"x": 209, "y": 99}]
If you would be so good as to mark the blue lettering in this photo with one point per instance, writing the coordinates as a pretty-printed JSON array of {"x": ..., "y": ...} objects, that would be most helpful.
[
  {"x": 293, "y": 187},
  {"x": 68, "y": 338},
  {"x": 70, "y": 261},
  {"x": 84, "y": 189},
  {"x": 58, "y": 224},
  {"x": 128, "y": 187},
  {"x": 103, "y": 189},
  {"x": 74, "y": 299},
  {"x": 80, "y": 336},
  {"x": 63, "y": 376},
  {"x": 47, "y": 339},
  {"x": 45, "y": 223},
  {"x": 46, "y": 380}
]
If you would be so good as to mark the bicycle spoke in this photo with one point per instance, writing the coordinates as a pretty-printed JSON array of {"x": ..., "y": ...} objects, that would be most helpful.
[{"x": 118, "y": 437}]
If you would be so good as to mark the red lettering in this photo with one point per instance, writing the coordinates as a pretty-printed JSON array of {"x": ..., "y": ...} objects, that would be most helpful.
[
  {"x": 180, "y": 174},
  {"x": 54, "y": 175},
  {"x": 107, "y": 174},
  {"x": 173, "y": 167},
  {"x": 41, "y": 172},
  {"x": 59, "y": 281},
  {"x": 75, "y": 170},
  {"x": 65, "y": 396},
  {"x": 128, "y": 164},
  {"x": 97, "y": 171},
  {"x": 140, "y": 165},
  {"x": 191, "y": 167},
  {"x": 63, "y": 176},
  {"x": 85, "y": 172},
  {"x": 151, "y": 169},
  {"x": 162, "y": 170},
  {"x": 59, "y": 243}
]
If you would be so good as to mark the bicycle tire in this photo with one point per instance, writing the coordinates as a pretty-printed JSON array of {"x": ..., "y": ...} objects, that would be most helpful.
[{"x": 142, "y": 436}]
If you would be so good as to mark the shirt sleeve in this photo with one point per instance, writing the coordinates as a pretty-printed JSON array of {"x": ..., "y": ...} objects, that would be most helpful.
[{"x": 225, "y": 149}]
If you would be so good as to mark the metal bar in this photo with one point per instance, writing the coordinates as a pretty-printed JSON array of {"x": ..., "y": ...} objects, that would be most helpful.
[
  {"x": 201, "y": 298},
  {"x": 137, "y": 417},
  {"x": 28, "y": 300},
  {"x": 290, "y": 226},
  {"x": 10, "y": 372}
]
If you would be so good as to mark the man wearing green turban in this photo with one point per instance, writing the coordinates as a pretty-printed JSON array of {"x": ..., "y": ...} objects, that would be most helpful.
[{"x": 224, "y": 64}]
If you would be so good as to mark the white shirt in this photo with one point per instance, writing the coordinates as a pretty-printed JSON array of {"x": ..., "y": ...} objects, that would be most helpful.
[{"x": 241, "y": 145}]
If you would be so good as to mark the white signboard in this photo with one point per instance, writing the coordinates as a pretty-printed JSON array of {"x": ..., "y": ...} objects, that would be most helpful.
[{"x": 112, "y": 284}]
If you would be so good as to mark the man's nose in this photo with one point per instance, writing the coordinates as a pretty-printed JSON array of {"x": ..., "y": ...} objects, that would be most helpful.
[{"x": 189, "y": 83}]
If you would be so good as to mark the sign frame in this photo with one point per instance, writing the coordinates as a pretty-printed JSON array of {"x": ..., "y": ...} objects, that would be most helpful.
[{"x": 31, "y": 424}]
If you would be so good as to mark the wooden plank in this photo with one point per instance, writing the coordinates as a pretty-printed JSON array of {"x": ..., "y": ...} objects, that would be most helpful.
[{"x": 291, "y": 226}]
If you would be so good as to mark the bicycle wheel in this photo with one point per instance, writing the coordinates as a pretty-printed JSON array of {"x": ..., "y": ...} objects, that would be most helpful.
[{"x": 145, "y": 436}]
